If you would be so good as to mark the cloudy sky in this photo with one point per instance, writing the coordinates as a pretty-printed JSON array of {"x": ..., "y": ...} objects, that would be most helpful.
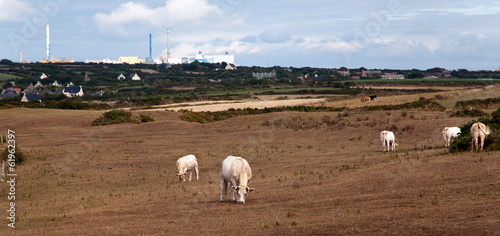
[{"x": 399, "y": 34}]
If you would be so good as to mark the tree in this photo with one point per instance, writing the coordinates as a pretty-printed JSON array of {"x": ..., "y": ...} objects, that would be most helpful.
[{"x": 6, "y": 62}]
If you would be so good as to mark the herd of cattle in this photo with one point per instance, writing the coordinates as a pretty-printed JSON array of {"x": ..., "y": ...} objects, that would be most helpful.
[{"x": 237, "y": 172}]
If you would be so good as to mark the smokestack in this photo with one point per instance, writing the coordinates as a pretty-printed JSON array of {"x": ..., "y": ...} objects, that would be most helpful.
[
  {"x": 168, "y": 44},
  {"x": 150, "y": 49},
  {"x": 20, "y": 56},
  {"x": 47, "y": 42}
]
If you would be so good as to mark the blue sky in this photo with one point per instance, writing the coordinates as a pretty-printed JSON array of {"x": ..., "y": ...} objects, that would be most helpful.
[{"x": 398, "y": 34}]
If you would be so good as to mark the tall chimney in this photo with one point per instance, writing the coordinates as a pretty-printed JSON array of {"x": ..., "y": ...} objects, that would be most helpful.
[
  {"x": 47, "y": 42},
  {"x": 168, "y": 44},
  {"x": 20, "y": 56},
  {"x": 150, "y": 49}
]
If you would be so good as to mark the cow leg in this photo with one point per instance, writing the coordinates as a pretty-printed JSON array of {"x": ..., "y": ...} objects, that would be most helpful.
[
  {"x": 196, "y": 172},
  {"x": 223, "y": 185},
  {"x": 474, "y": 141},
  {"x": 482, "y": 142},
  {"x": 233, "y": 183},
  {"x": 190, "y": 174}
]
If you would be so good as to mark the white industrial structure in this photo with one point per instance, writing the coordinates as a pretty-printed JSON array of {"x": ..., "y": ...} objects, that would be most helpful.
[
  {"x": 47, "y": 42},
  {"x": 210, "y": 58}
]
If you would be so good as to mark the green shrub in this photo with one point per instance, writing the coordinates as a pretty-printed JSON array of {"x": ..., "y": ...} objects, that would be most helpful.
[
  {"x": 114, "y": 117},
  {"x": 4, "y": 156},
  {"x": 145, "y": 118}
]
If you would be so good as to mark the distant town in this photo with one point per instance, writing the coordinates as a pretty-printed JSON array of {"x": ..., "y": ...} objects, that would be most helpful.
[{"x": 195, "y": 78}]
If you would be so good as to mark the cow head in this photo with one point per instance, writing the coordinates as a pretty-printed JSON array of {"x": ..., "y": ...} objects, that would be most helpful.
[
  {"x": 241, "y": 193},
  {"x": 181, "y": 177}
]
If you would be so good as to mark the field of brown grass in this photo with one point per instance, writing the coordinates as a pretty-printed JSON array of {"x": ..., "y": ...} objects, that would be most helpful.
[{"x": 310, "y": 179}]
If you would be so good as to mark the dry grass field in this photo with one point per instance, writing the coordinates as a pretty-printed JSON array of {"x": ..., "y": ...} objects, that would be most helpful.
[{"x": 310, "y": 179}]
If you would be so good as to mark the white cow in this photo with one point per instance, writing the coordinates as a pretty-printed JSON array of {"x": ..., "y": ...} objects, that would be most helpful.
[
  {"x": 235, "y": 170},
  {"x": 388, "y": 140},
  {"x": 185, "y": 164},
  {"x": 478, "y": 130},
  {"x": 450, "y": 133}
]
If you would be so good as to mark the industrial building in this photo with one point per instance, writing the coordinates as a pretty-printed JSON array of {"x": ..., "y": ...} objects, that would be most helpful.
[{"x": 200, "y": 57}]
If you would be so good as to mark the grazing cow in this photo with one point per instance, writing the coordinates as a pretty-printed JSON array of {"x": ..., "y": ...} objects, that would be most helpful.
[
  {"x": 235, "y": 170},
  {"x": 365, "y": 99},
  {"x": 373, "y": 98},
  {"x": 388, "y": 140},
  {"x": 185, "y": 164},
  {"x": 450, "y": 133},
  {"x": 478, "y": 130}
]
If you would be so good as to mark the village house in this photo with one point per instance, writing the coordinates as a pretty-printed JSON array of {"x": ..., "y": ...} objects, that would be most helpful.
[
  {"x": 28, "y": 97},
  {"x": 73, "y": 91},
  {"x": 42, "y": 76},
  {"x": 230, "y": 66},
  {"x": 121, "y": 77},
  {"x": 392, "y": 76},
  {"x": 262, "y": 75},
  {"x": 135, "y": 77},
  {"x": 10, "y": 92}
]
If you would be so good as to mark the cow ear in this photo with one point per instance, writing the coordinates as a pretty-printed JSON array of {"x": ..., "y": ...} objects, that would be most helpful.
[
  {"x": 178, "y": 174},
  {"x": 250, "y": 189},
  {"x": 236, "y": 188}
]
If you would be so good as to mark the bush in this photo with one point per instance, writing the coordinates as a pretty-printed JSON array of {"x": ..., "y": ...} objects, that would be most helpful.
[
  {"x": 18, "y": 154},
  {"x": 114, "y": 117},
  {"x": 145, "y": 118},
  {"x": 492, "y": 142}
]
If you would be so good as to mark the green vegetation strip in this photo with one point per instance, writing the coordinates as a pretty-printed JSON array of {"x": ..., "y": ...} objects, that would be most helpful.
[
  {"x": 205, "y": 117},
  {"x": 413, "y": 81},
  {"x": 422, "y": 103},
  {"x": 478, "y": 103}
]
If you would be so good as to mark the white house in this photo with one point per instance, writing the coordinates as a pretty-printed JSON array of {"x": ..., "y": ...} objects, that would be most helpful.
[
  {"x": 392, "y": 76},
  {"x": 134, "y": 76},
  {"x": 73, "y": 91},
  {"x": 56, "y": 84},
  {"x": 42, "y": 76},
  {"x": 121, "y": 77},
  {"x": 230, "y": 66},
  {"x": 39, "y": 84}
]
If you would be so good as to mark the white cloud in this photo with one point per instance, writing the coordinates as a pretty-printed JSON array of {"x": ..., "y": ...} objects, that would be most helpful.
[
  {"x": 14, "y": 10},
  {"x": 477, "y": 10},
  {"x": 430, "y": 44},
  {"x": 173, "y": 12}
]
